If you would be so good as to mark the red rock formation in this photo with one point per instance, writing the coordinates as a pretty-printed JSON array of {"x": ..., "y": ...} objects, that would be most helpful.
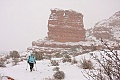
[
  {"x": 66, "y": 26},
  {"x": 66, "y": 33},
  {"x": 102, "y": 32}
]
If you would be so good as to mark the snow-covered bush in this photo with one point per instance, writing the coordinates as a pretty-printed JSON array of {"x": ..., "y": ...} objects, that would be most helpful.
[
  {"x": 86, "y": 64},
  {"x": 7, "y": 62},
  {"x": 74, "y": 61},
  {"x": 66, "y": 58},
  {"x": 38, "y": 56},
  {"x": 59, "y": 75},
  {"x": 7, "y": 56},
  {"x": 56, "y": 69},
  {"x": 15, "y": 61},
  {"x": 2, "y": 60},
  {"x": 14, "y": 54},
  {"x": 108, "y": 65},
  {"x": 57, "y": 55},
  {"x": 54, "y": 63}
]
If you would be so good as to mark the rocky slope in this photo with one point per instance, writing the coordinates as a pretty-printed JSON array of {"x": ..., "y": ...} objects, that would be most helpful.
[{"x": 108, "y": 28}]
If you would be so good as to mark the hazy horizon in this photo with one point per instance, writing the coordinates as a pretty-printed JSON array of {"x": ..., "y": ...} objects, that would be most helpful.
[{"x": 23, "y": 21}]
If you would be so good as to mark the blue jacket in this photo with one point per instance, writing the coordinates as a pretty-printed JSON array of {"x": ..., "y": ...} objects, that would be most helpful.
[{"x": 31, "y": 59}]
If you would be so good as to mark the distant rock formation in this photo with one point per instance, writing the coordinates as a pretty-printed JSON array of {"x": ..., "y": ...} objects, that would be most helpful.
[
  {"x": 66, "y": 33},
  {"x": 108, "y": 28},
  {"x": 66, "y": 26}
]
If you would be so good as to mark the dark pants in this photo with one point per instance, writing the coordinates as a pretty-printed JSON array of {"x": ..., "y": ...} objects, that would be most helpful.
[{"x": 31, "y": 66}]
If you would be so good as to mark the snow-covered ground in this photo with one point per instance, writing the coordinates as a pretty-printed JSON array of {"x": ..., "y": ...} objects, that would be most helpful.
[{"x": 44, "y": 69}]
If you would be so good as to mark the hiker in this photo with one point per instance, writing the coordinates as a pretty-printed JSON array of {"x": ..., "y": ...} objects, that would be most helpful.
[{"x": 31, "y": 60}]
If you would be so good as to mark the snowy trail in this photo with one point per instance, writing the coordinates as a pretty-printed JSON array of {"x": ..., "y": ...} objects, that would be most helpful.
[
  {"x": 19, "y": 72},
  {"x": 44, "y": 70}
]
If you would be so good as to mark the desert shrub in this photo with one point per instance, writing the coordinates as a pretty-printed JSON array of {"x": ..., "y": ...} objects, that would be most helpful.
[
  {"x": 54, "y": 63},
  {"x": 7, "y": 56},
  {"x": 74, "y": 61},
  {"x": 108, "y": 65},
  {"x": 38, "y": 55},
  {"x": 86, "y": 64},
  {"x": 7, "y": 62},
  {"x": 56, "y": 69},
  {"x": 2, "y": 60},
  {"x": 48, "y": 56},
  {"x": 14, "y": 54},
  {"x": 57, "y": 55},
  {"x": 66, "y": 58},
  {"x": 59, "y": 75},
  {"x": 15, "y": 61}
]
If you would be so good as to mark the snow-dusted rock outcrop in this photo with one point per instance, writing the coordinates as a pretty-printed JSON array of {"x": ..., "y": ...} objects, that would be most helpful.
[{"x": 108, "y": 28}]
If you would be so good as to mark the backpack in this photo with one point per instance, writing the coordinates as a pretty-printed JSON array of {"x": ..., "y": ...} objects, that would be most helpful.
[{"x": 31, "y": 59}]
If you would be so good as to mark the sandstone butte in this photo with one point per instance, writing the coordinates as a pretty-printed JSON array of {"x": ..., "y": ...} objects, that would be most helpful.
[
  {"x": 66, "y": 26},
  {"x": 65, "y": 31},
  {"x": 63, "y": 26}
]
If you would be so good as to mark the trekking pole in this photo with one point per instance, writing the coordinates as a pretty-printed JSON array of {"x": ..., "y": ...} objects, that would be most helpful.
[
  {"x": 27, "y": 66},
  {"x": 35, "y": 67}
]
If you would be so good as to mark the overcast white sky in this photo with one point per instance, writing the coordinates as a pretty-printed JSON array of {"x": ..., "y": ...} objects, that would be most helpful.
[{"x": 23, "y": 21}]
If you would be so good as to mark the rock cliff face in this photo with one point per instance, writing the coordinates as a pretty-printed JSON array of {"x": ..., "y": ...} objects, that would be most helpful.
[
  {"x": 66, "y": 26},
  {"x": 108, "y": 28}
]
